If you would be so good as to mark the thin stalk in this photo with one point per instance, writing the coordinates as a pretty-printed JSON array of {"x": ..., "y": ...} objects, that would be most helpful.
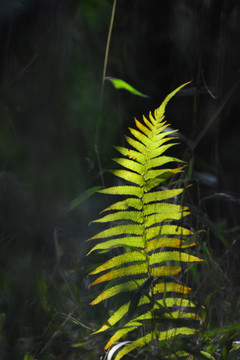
[{"x": 108, "y": 45}]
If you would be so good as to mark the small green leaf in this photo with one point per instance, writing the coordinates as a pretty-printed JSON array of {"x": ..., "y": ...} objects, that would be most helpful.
[{"x": 120, "y": 84}]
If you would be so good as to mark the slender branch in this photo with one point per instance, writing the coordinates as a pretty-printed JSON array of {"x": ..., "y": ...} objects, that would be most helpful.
[
  {"x": 103, "y": 77},
  {"x": 108, "y": 44}
]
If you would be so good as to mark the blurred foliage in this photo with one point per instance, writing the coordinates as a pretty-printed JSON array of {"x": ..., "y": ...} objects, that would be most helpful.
[{"x": 56, "y": 142}]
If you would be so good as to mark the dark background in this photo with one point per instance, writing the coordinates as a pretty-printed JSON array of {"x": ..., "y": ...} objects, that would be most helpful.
[{"x": 56, "y": 142}]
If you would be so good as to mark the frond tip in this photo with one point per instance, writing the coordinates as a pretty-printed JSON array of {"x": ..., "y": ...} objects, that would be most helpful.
[{"x": 145, "y": 225}]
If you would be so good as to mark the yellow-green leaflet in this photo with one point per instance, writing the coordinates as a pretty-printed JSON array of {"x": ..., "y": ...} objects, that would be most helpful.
[
  {"x": 171, "y": 256},
  {"x": 134, "y": 241},
  {"x": 131, "y": 164},
  {"x": 120, "y": 260},
  {"x": 119, "y": 230},
  {"x": 123, "y": 271},
  {"x": 123, "y": 190},
  {"x": 135, "y": 216},
  {"x": 155, "y": 196},
  {"x": 129, "y": 176},
  {"x": 168, "y": 242},
  {"x": 114, "y": 290},
  {"x": 126, "y": 204},
  {"x": 171, "y": 287},
  {"x": 122, "y": 332},
  {"x": 147, "y": 226}
]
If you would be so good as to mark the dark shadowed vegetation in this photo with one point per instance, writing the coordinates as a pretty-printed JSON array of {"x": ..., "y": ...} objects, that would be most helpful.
[{"x": 58, "y": 125}]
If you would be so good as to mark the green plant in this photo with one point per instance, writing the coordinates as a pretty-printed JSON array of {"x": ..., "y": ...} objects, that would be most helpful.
[{"x": 148, "y": 226}]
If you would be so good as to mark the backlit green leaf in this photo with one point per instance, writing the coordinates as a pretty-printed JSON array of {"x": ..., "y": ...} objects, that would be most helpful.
[
  {"x": 123, "y": 190},
  {"x": 114, "y": 290},
  {"x": 135, "y": 216},
  {"x": 120, "y": 260},
  {"x": 133, "y": 241},
  {"x": 121, "y": 272},
  {"x": 120, "y": 84},
  {"x": 172, "y": 256},
  {"x": 119, "y": 230}
]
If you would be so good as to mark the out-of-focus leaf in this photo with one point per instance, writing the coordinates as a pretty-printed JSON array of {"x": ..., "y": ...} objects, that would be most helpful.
[
  {"x": 176, "y": 133},
  {"x": 58, "y": 247},
  {"x": 206, "y": 178},
  {"x": 2, "y": 320},
  {"x": 224, "y": 353},
  {"x": 227, "y": 197},
  {"x": 207, "y": 355},
  {"x": 43, "y": 288},
  {"x": 81, "y": 344},
  {"x": 223, "y": 196},
  {"x": 28, "y": 357},
  {"x": 190, "y": 168},
  {"x": 235, "y": 346},
  {"x": 234, "y": 229},
  {"x": 120, "y": 84},
  {"x": 234, "y": 327},
  {"x": 195, "y": 274},
  {"x": 82, "y": 197}
]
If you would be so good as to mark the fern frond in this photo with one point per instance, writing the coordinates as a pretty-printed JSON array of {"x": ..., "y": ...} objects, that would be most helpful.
[{"x": 149, "y": 228}]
